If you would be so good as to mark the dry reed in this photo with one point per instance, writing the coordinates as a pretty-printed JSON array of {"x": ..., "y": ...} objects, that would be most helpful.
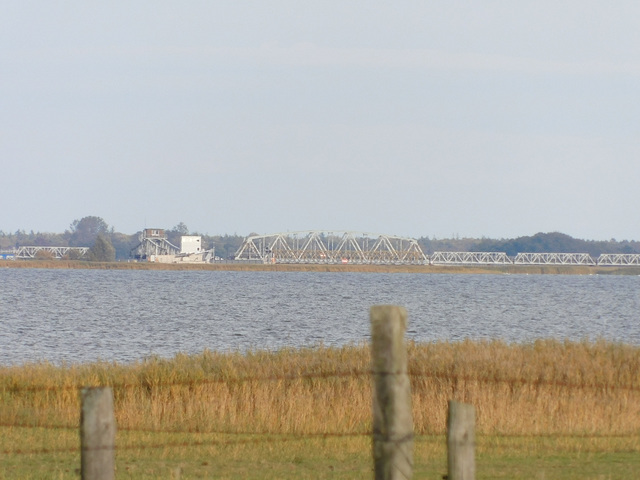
[
  {"x": 334, "y": 268},
  {"x": 544, "y": 388}
]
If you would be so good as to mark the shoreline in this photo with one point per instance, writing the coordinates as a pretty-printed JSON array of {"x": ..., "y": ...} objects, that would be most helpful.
[{"x": 257, "y": 267}]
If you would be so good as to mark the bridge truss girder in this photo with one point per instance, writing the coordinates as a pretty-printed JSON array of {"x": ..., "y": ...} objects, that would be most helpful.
[
  {"x": 333, "y": 247},
  {"x": 56, "y": 252},
  {"x": 554, "y": 259},
  {"x": 611, "y": 259},
  {"x": 469, "y": 258}
]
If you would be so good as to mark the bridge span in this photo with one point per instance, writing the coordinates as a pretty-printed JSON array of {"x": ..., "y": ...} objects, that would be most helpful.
[
  {"x": 347, "y": 247},
  {"x": 332, "y": 248},
  {"x": 27, "y": 252}
]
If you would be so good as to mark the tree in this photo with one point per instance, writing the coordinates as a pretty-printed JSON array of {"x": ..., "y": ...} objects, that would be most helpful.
[
  {"x": 85, "y": 231},
  {"x": 75, "y": 255},
  {"x": 181, "y": 228},
  {"x": 102, "y": 250},
  {"x": 123, "y": 244},
  {"x": 174, "y": 235}
]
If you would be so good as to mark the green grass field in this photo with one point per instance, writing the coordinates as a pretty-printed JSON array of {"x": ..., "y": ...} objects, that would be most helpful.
[{"x": 189, "y": 456}]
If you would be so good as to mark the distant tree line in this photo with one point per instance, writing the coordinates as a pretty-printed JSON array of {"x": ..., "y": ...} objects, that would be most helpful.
[
  {"x": 108, "y": 245},
  {"x": 553, "y": 242}
]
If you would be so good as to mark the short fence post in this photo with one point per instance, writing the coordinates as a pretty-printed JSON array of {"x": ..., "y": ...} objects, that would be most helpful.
[
  {"x": 97, "y": 434},
  {"x": 392, "y": 416},
  {"x": 461, "y": 441}
]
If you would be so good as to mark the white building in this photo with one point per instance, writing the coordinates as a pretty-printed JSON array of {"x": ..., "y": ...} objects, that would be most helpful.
[{"x": 191, "y": 244}]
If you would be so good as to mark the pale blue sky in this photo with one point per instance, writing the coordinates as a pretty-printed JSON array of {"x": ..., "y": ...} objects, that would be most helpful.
[{"x": 494, "y": 118}]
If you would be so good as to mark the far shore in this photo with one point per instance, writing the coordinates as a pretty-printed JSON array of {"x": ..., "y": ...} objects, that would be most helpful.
[{"x": 281, "y": 267}]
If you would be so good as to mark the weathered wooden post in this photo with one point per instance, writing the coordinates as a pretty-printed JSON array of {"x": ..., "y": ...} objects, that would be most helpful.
[
  {"x": 392, "y": 416},
  {"x": 461, "y": 441},
  {"x": 97, "y": 434}
]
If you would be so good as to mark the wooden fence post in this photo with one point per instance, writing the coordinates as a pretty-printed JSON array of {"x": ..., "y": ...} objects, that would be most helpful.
[
  {"x": 97, "y": 434},
  {"x": 392, "y": 416},
  {"x": 461, "y": 441}
]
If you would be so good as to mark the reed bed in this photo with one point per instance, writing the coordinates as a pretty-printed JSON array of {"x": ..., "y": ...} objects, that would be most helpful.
[
  {"x": 337, "y": 268},
  {"x": 543, "y": 388},
  {"x": 570, "y": 410}
]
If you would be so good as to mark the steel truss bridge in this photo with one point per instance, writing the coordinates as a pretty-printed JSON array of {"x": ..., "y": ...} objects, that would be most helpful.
[
  {"x": 331, "y": 248},
  {"x": 335, "y": 247},
  {"x": 613, "y": 259},
  {"x": 56, "y": 252},
  {"x": 554, "y": 259},
  {"x": 469, "y": 258}
]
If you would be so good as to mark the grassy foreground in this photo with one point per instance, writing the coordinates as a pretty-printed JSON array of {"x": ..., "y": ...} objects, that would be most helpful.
[{"x": 544, "y": 410}]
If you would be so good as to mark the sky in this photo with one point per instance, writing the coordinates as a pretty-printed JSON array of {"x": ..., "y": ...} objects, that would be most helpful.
[{"x": 421, "y": 119}]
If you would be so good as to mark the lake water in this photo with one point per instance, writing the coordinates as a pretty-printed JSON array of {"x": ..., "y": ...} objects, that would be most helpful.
[{"x": 83, "y": 315}]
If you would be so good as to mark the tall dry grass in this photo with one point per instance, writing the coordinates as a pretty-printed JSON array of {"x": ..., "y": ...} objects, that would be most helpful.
[
  {"x": 547, "y": 387},
  {"x": 335, "y": 268}
]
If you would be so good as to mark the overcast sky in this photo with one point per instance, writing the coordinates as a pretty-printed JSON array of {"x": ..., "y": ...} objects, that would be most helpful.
[{"x": 411, "y": 118}]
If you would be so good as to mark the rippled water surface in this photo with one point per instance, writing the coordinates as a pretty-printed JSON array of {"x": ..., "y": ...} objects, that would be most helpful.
[{"x": 84, "y": 315}]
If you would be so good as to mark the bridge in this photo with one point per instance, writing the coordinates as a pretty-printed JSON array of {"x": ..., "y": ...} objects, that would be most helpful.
[
  {"x": 346, "y": 247},
  {"x": 469, "y": 258},
  {"x": 333, "y": 247},
  {"x": 554, "y": 259},
  {"x": 614, "y": 259},
  {"x": 27, "y": 252}
]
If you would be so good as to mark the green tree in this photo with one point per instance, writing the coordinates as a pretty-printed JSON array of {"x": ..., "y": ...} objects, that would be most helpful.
[
  {"x": 225, "y": 245},
  {"x": 74, "y": 255},
  {"x": 102, "y": 250},
  {"x": 181, "y": 228},
  {"x": 123, "y": 244},
  {"x": 85, "y": 231},
  {"x": 174, "y": 235}
]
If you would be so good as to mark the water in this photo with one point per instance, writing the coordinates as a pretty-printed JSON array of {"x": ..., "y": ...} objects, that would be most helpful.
[{"x": 72, "y": 316}]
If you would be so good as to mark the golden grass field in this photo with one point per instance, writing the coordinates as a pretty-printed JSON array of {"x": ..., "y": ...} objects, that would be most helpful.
[{"x": 306, "y": 413}]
